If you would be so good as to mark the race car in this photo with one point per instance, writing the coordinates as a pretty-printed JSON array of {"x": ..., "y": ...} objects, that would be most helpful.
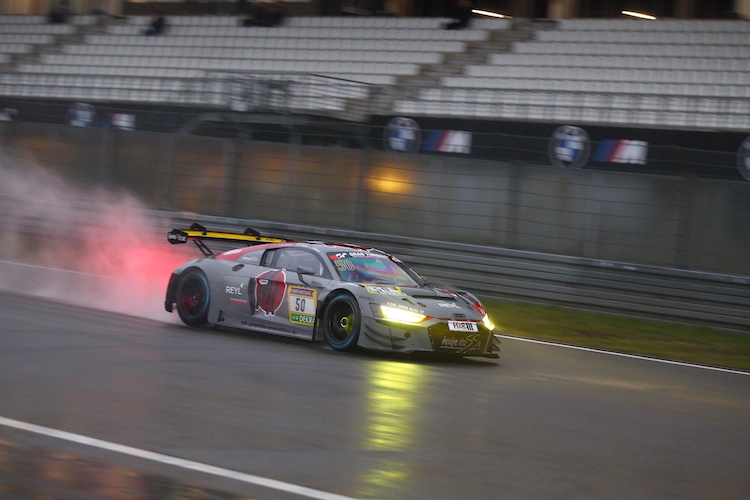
[{"x": 348, "y": 295}]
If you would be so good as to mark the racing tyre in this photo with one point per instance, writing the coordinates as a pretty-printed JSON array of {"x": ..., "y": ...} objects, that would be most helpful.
[
  {"x": 193, "y": 298},
  {"x": 341, "y": 323}
]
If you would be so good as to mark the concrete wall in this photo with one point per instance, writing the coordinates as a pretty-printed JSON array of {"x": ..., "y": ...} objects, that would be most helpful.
[{"x": 682, "y": 222}]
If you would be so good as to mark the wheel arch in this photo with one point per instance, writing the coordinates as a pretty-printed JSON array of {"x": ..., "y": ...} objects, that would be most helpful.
[
  {"x": 318, "y": 333},
  {"x": 184, "y": 274},
  {"x": 324, "y": 325}
]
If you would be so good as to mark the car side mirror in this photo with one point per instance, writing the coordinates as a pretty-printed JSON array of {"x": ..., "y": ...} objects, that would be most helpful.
[{"x": 305, "y": 271}]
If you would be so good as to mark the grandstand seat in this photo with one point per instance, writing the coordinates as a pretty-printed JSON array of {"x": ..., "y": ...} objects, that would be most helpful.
[{"x": 596, "y": 70}]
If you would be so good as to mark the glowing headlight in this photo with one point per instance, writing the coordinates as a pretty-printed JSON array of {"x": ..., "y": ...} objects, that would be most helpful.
[
  {"x": 488, "y": 323},
  {"x": 400, "y": 315}
]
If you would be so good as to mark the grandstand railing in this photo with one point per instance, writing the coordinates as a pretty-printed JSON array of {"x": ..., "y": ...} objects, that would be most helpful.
[{"x": 357, "y": 101}]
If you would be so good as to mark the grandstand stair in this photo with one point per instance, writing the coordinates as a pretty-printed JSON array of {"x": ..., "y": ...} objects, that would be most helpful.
[
  {"x": 453, "y": 64},
  {"x": 59, "y": 41}
]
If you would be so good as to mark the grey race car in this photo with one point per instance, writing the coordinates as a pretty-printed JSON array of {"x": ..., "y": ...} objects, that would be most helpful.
[{"x": 351, "y": 296}]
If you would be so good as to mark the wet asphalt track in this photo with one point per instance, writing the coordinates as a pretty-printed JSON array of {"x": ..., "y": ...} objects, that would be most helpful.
[{"x": 542, "y": 422}]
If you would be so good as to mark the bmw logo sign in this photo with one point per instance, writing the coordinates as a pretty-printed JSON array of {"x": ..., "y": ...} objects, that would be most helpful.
[
  {"x": 402, "y": 135},
  {"x": 569, "y": 147},
  {"x": 743, "y": 159}
]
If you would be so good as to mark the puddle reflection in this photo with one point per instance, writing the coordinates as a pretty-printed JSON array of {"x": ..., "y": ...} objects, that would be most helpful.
[{"x": 393, "y": 422}]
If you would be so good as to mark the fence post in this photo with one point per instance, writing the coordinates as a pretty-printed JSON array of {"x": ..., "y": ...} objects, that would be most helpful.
[
  {"x": 360, "y": 199},
  {"x": 293, "y": 171},
  {"x": 682, "y": 238},
  {"x": 230, "y": 163},
  {"x": 511, "y": 238},
  {"x": 233, "y": 168},
  {"x": 594, "y": 216},
  {"x": 106, "y": 157},
  {"x": 164, "y": 167},
  {"x": 4, "y": 127}
]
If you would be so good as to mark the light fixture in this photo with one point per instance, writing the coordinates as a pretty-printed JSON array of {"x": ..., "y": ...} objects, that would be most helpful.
[
  {"x": 401, "y": 315},
  {"x": 488, "y": 322},
  {"x": 638, "y": 15}
]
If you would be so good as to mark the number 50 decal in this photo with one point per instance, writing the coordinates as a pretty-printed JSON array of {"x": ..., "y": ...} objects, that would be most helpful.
[{"x": 302, "y": 305}]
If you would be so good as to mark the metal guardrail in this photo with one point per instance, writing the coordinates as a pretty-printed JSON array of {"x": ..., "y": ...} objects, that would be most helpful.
[
  {"x": 220, "y": 90},
  {"x": 717, "y": 300}
]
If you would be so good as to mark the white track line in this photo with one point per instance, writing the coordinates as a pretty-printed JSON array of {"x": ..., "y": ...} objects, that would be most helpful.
[
  {"x": 623, "y": 355},
  {"x": 47, "y": 268},
  {"x": 177, "y": 462}
]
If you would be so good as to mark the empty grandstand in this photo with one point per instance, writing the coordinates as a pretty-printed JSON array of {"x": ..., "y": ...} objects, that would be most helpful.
[{"x": 690, "y": 74}]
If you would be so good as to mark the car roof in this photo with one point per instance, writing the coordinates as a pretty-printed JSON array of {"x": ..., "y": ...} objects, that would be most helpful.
[{"x": 319, "y": 246}]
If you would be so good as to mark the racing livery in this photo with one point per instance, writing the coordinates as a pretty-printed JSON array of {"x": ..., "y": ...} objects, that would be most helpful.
[{"x": 350, "y": 296}]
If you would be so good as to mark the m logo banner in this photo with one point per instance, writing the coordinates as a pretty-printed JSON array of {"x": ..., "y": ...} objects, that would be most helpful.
[
  {"x": 621, "y": 151},
  {"x": 448, "y": 141}
]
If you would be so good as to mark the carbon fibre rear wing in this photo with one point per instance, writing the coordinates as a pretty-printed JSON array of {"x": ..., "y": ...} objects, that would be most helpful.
[{"x": 198, "y": 234}]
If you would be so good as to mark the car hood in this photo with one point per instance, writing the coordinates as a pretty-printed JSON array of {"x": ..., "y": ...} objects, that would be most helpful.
[{"x": 435, "y": 302}]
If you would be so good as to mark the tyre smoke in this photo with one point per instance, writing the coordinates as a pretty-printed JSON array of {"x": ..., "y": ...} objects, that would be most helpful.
[{"x": 88, "y": 246}]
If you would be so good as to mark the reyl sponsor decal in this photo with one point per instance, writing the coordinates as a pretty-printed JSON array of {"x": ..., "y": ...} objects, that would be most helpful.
[{"x": 236, "y": 295}]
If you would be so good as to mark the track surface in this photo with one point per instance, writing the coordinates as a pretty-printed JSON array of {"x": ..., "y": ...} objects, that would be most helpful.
[{"x": 543, "y": 422}]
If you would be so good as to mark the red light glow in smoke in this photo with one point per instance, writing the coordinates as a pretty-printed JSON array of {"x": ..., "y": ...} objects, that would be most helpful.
[{"x": 92, "y": 247}]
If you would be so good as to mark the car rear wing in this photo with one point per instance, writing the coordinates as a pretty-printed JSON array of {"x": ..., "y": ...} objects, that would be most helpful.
[{"x": 198, "y": 234}]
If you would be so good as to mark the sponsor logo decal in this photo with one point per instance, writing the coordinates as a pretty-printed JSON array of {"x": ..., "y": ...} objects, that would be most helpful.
[
  {"x": 569, "y": 147},
  {"x": 82, "y": 114},
  {"x": 271, "y": 328},
  {"x": 461, "y": 343},
  {"x": 621, "y": 151},
  {"x": 7, "y": 114},
  {"x": 385, "y": 290},
  {"x": 302, "y": 305},
  {"x": 452, "y": 305},
  {"x": 402, "y": 135},
  {"x": 405, "y": 307},
  {"x": 236, "y": 293},
  {"x": 357, "y": 253},
  {"x": 177, "y": 237},
  {"x": 448, "y": 141},
  {"x": 122, "y": 121},
  {"x": 270, "y": 288}
]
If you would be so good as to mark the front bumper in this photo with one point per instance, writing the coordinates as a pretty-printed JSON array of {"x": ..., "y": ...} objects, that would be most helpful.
[{"x": 378, "y": 334}]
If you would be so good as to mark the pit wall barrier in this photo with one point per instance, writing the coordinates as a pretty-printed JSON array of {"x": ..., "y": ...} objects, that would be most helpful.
[{"x": 679, "y": 222}]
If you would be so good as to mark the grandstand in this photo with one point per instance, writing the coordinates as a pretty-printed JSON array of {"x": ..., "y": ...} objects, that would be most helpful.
[{"x": 691, "y": 74}]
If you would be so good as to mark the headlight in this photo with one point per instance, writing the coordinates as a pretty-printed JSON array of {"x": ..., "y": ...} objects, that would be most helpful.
[
  {"x": 488, "y": 323},
  {"x": 400, "y": 315}
]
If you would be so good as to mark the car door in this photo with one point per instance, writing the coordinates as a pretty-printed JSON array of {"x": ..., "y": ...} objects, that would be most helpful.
[{"x": 284, "y": 301}]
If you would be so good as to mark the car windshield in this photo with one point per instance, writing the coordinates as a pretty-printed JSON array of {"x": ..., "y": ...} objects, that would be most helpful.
[{"x": 370, "y": 267}]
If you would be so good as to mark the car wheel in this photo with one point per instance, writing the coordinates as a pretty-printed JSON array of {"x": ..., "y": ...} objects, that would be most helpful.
[
  {"x": 193, "y": 298},
  {"x": 341, "y": 322}
]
